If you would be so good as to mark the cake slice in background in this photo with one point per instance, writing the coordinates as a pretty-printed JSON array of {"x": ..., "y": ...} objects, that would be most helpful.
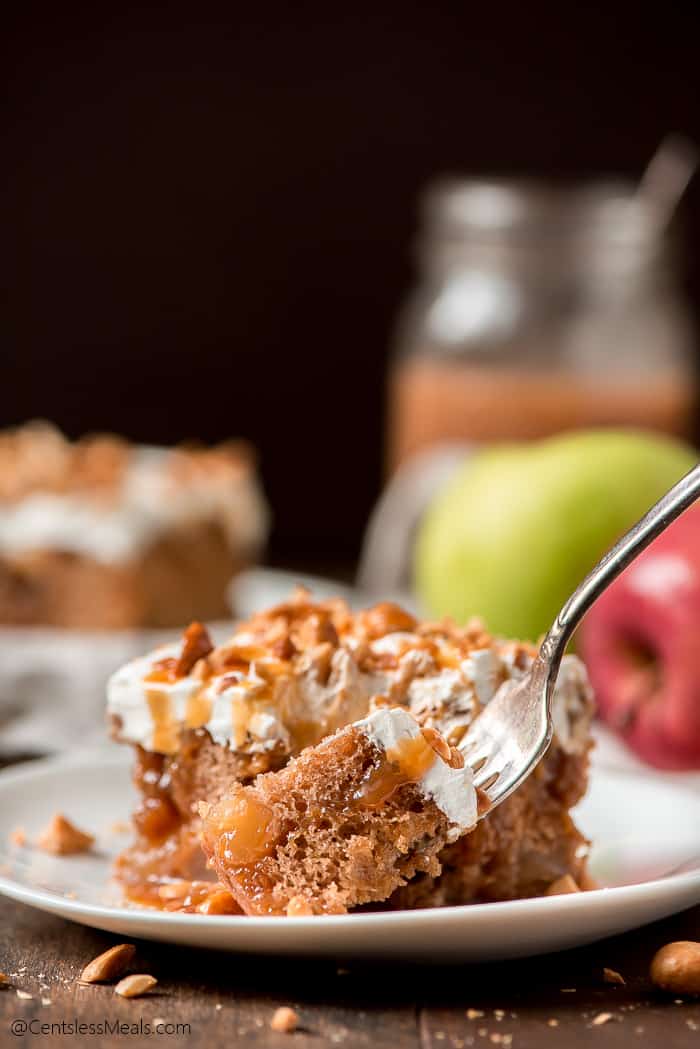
[{"x": 100, "y": 533}]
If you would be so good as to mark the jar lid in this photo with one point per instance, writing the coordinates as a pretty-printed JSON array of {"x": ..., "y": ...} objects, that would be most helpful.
[{"x": 605, "y": 210}]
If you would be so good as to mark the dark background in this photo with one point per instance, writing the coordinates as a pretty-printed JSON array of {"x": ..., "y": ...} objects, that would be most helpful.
[{"x": 207, "y": 214}]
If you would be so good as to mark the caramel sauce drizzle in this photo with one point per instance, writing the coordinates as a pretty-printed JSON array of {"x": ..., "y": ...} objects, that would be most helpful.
[
  {"x": 197, "y": 710},
  {"x": 407, "y": 762},
  {"x": 166, "y": 735},
  {"x": 240, "y": 716},
  {"x": 164, "y": 670},
  {"x": 185, "y": 897}
]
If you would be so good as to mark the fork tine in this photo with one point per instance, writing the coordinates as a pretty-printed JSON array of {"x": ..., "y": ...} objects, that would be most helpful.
[
  {"x": 486, "y": 771},
  {"x": 477, "y": 765},
  {"x": 489, "y": 782}
]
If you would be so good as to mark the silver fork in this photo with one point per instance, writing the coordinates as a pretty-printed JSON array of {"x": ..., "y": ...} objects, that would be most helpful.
[{"x": 513, "y": 732}]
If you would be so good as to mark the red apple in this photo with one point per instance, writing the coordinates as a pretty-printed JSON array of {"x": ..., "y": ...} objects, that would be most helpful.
[{"x": 641, "y": 644}]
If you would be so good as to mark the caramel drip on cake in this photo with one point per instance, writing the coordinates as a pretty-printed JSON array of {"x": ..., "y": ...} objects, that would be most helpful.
[
  {"x": 197, "y": 711},
  {"x": 166, "y": 735},
  {"x": 165, "y": 670},
  {"x": 407, "y": 762},
  {"x": 307, "y": 733},
  {"x": 240, "y": 716}
]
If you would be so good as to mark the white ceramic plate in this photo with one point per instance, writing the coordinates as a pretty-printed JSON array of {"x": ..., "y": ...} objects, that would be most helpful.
[{"x": 647, "y": 851}]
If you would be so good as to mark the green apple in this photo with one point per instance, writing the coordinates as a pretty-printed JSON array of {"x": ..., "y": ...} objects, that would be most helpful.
[{"x": 519, "y": 525}]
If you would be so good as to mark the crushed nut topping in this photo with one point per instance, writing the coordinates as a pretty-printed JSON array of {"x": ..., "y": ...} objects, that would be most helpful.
[
  {"x": 63, "y": 838},
  {"x": 562, "y": 886},
  {"x": 196, "y": 644},
  {"x": 438, "y": 743}
]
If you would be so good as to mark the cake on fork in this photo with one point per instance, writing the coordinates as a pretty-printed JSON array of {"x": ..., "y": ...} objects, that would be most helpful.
[
  {"x": 275, "y": 757},
  {"x": 345, "y": 823}
]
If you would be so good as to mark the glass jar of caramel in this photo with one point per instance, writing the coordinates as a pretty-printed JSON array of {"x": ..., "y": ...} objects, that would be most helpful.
[{"x": 540, "y": 309}]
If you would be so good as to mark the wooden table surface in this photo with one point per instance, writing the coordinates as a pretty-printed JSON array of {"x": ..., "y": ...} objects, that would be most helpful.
[{"x": 229, "y": 999}]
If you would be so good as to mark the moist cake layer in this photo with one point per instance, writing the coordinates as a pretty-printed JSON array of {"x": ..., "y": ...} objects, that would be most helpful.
[{"x": 345, "y": 823}]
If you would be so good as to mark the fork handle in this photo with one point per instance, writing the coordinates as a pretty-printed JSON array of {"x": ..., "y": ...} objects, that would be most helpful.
[{"x": 662, "y": 514}]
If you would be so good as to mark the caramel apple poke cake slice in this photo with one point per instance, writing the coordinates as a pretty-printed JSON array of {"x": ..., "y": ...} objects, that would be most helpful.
[
  {"x": 311, "y": 764},
  {"x": 104, "y": 534}
]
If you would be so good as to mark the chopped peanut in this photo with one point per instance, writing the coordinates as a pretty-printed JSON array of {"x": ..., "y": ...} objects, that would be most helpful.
[
  {"x": 676, "y": 967},
  {"x": 196, "y": 644},
  {"x": 285, "y": 1019},
  {"x": 438, "y": 743},
  {"x": 136, "y": 985},
  {"x": 109, "y": 965},
  {"x": 562, "y": 886},
  {"x": 63, "y": 838}
]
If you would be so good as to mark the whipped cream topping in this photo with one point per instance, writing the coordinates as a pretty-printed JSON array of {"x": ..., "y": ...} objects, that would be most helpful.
[
  {"x": 452, "y": 790},
  {"x": 147, "y": 502},
  {"x": 235, "y": 708},
  {"x": 265, "y": 705}
]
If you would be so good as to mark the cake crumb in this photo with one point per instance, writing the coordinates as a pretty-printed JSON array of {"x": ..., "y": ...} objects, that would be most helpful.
[
  {"x": 299, "y": 907},
  {"x": 693, "y": 1025},
  {"x": 120, "y": 827},
  {"x": 218, "y": 1006},
  {"x": 18, "y": 836},
  {"x": 612, "y": 976},
  {"x": 474, "y": 1014},
  {"x": 601, "y": 1018},
  {"x": 552, "y": 1022},
  {"x": 285, "y": 1020},
  {"x": 63, "y": 838},
  {"x": 562, "y": 886}
]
